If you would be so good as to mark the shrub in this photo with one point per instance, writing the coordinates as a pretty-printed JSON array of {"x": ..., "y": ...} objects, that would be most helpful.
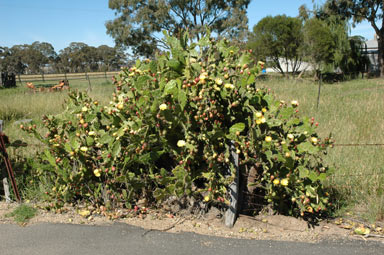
[{"x": 169, "y": 129}]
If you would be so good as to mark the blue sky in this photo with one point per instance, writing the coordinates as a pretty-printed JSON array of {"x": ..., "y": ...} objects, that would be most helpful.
[{"x": 66, "y": 21}]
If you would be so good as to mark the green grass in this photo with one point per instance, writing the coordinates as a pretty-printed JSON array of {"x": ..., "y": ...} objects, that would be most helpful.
[
  {"x": 21, "y": 104},
  {"x": 22, "y": 214},
  {"x": 352, "y": 111}
]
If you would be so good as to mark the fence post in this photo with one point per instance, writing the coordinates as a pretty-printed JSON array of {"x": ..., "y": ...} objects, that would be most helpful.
[
  {"x": 89, "y": 82},
  {"x": 318, "y": 94},
  {"x": 19, "y": 79},
  {"x": 234, "y": 190},
  {"x": 42, "y": 76}
]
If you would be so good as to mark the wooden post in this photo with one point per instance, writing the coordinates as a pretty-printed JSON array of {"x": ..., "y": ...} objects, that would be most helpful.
[
  {"x": 318, "y": 94},
  {"x": 42, "y": 76},
  {"x": 234, "y": 190},
  {"x": 20, "y": 79},
  {"x": 6, "y": 190},
  {"x": 4, "y": 175},
  {"x": 89, "y": 82}
]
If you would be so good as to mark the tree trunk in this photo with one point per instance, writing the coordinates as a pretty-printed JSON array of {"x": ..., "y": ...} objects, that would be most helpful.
[{"x": 380, "y": 46}]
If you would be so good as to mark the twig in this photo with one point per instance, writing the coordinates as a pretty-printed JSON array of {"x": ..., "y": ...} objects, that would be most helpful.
[
  {"x": 358, "y": 221},
  {"x": 373, "y": 235},
  {"x": 179, "y": 221}
]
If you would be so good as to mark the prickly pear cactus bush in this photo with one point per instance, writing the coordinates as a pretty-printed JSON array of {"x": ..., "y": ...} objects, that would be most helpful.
[{"x": 168, "y": 131}]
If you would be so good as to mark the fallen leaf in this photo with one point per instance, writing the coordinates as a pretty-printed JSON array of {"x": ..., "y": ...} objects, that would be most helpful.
[
  {"x": 362, "y": 231},
  {"x": 84, "y": 213}
]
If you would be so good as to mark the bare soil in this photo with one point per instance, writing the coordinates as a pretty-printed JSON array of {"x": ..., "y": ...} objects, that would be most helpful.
[{"x": 261, "y": 227}]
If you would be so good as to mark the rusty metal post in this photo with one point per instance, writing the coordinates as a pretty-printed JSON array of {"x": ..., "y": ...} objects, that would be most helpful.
[
  {"x": 8, "y": 167},
  {"x": 4, "y": 176}
]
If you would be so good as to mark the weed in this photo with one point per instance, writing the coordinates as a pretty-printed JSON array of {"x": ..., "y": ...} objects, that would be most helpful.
[{"x": 22, "y": 214}]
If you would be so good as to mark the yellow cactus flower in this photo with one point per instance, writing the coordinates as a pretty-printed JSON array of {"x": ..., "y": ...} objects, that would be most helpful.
[
  {"x": 259, "y": 115},
  {"x": 276, "y": 181},
  {"x": 229, "y": 86},
  {"x": 163, "y": 107},
  {"x": 268, "y": 139},
  {"x": 218, "y": 81},
  {"x": 181, "y": 143},
  {"x": 203, "y": 76},
  {"x": 96, "y": 172},
  {"x": 284, "y": 182},
  {"x": 314, "y": 140}
]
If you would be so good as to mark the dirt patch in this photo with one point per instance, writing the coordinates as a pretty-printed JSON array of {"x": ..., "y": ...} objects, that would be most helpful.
[{"x": 261, "y": 227}]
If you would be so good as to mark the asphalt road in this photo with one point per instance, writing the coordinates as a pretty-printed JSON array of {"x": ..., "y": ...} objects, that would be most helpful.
[{"x": 70, "y": 239}]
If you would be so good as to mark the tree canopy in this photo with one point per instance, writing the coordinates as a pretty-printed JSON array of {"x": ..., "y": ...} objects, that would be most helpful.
[
  {"x": 359, "y": 10},
  {"x": 319, "y": 42},
  {"x": 138, "y": 23},
  {"x": 278, "y": 38},
  {"x": 77, "y": 57}
]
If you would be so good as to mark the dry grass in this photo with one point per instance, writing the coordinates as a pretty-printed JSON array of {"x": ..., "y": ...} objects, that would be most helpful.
[{"x": 354, "y": 113}]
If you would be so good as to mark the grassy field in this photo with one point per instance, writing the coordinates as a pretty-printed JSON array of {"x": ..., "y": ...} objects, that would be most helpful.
[
  {"x": 19, "y": 104},
  {"x": 352, "y": 111}
]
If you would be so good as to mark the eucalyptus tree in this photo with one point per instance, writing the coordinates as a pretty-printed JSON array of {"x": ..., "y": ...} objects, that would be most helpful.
[
  {"x": 279, "y": 39},
  {"x": 138, "y": 23},
  {"x": 359, "y": 10}
]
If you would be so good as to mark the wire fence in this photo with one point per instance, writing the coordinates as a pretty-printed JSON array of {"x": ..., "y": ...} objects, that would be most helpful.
[
  {"x": 65, "y": 76},
  {"x": 358, "y": 144}
]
